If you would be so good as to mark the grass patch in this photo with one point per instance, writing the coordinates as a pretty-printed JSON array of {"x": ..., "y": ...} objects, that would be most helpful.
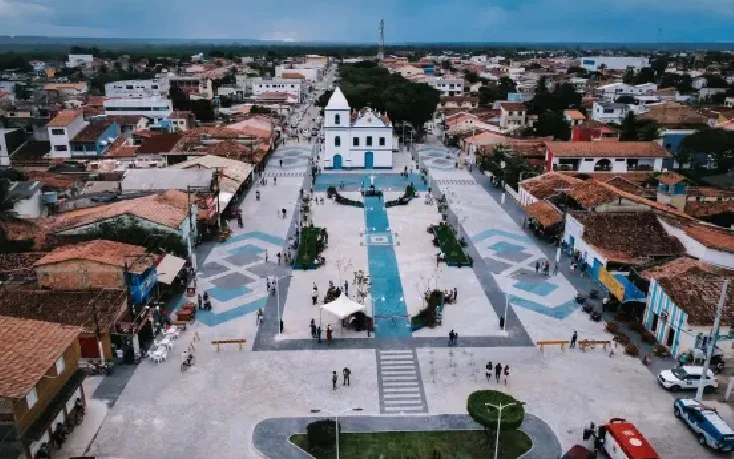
[
  {"x": 451, "y": 444},
  {"x": 449, "y": 245},
  {"x": 310, "y": 246}
]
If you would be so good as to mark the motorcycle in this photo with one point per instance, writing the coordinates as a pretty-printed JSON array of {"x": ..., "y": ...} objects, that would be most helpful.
[
  {"x": 97, "y": 368},
  {"x": 189, "y": 362}
]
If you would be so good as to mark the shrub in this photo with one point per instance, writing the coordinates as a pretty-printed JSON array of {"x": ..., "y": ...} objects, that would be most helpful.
[
  {"x": 512, "y": 416},
  {"x": 661, "y": 351},
  {"x": 637, "y": 327},
  {"x": 331, "y": 191},
  {"x": 632, "y": 350},
  {"x": 622, "y": 338},
  {"x": 612, "y": 327},
  {"x": 647, "y": 337},
  {"x": 321, "y": 435}
]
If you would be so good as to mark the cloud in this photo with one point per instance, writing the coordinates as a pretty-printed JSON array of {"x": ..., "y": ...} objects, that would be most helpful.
[{"x": 18, "y": 9}]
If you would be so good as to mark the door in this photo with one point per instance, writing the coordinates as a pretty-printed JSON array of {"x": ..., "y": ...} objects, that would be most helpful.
[
  {"x": 369, "y": 160},
  {"x": 336, "y": 162}
]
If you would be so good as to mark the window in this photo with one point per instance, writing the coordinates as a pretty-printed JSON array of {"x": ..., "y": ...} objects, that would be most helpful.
[
  {"x": 608, "y": 110},
  {"x": 368, "y": 141},
  {"x": 154, "y": 86},
  {"x": 60, "y": 148},
  {"x": 60, "y": 365},
  {"x": 337, "y": 119},
  {"x": 31, "y": 398},
  {"x": 58, "y": 131},
  {"x": 293, "y": 86},
  {"x": 382, "y": 141},
  {"x": 337, "y": 141},
  {"x": 355, "y": 141},
  {"x": 129, "y": 86}
]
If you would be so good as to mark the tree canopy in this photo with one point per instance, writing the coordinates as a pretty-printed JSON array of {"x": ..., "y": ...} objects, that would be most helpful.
[
  {"x": 717, "y": 143},
  {"x": 486, "y": 416},
  {"x": 498, "y": 91},
  {"x": 633, "y": 129},
  {"x": 562, "y": 97},
  {"x": 552, "y": 124}
]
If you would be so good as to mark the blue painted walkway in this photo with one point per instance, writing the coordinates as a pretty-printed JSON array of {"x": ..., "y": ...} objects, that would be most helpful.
[
  {"x": 391, "y": 313},
  {"x": 389, "y": 181}
]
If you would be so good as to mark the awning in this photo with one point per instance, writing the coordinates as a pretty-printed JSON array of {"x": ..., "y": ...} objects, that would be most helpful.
[
  {"x": 36, "y": 430},
  {"x": 224, "y": 198},
  {"x": 169, "y": 268},
  {"x": 342, "y": 307}
]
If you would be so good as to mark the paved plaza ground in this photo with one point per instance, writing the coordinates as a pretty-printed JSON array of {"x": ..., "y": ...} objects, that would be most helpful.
[{"x": 213, "y": 409}]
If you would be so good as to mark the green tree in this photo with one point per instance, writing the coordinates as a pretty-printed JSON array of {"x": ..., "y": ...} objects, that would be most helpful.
[
  {"x": 626, "y": 99},
  {"x": 648, "y": 130},
  {"x": 628, "y": 130},
  {"x": 645, "y": 75},
  {"x": 716, "y": 143},
  {"x": 22, "y": 91},
  {"x": 487, "y": 416},
  {"x": 471, "y": 77},
  {"x": 628, "y": 77},
  {"x": 552, "y": 124}
]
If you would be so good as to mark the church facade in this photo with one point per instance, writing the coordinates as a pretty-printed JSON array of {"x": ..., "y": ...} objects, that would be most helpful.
[{"x": 356, "y": 139}]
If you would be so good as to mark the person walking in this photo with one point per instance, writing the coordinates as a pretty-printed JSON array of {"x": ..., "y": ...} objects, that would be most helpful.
[
  {"x": 507, "y": 373},
  {"x": 266, "y": 255},
  {"x": 537, "y": 266},
  {"x": 329, "y": 334},
  {"x": 314, "y": 294},
  {"x": 281, "y": 163},
  {"x": 498, "y": 371},
  {"x": 318, "y": 333},
  {"x": 278, "y": 255},
  {"x": 334, "y": 379},
  {"x": 346, "y": 288},
  {"x": 346, "y": 372},
  {"x": 488, "y": 370},
  {"x": 281, "y": 326},
  {"x": 201, "y": 302},
  {"x": 451, "y": 338},
  {"x": 574, "y": 338},
  {"x": 313, "y": 328},
  {"x": 275, "y": 179},
  {"x": 456, "y": 293},
  {"x": 555, "y": 269},
  {"x": 456, "y": 339}
]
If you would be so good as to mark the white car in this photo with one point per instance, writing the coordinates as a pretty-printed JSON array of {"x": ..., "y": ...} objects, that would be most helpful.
[{"x": 687, "y": 378}]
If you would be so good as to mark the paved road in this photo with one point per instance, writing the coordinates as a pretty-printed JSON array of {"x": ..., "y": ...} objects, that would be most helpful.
[{"x": 271, "y": 436}]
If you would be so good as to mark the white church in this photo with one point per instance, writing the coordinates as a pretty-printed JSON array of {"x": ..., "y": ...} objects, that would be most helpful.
[{"x": 356, "y": 139}]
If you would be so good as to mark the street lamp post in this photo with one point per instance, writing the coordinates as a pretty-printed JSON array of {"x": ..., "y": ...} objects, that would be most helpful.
[
  {"x": 499, "y": 409},
  {"x": 336, "y": 421}
]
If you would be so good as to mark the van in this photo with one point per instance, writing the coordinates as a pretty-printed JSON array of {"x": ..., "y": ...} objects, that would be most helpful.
[
  {"x": 687, "y": 378},
  {"x": 710, "y": 429}
]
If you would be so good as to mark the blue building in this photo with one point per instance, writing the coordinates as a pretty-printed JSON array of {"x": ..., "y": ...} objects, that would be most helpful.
[
  {"x": 429, "y": 69},
  {"x": 94, "y": 138}
]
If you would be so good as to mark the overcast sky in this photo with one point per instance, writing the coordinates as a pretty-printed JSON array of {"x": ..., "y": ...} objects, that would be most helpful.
[{"x": 357, "y": 21}]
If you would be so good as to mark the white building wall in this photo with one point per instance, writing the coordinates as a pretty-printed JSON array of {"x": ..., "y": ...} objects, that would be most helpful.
[
  {"x": 575, "y": 229},
  {"x": 29, "y": 208},
  {"x": 155, "y": 109},
  {"x": 292, "y": 87},
  {"x": 125, "y": 89},
  {"x": 698, "y": 250},
  {"x": 594, "y": 63},
  {"x": 63, "y": 140}
]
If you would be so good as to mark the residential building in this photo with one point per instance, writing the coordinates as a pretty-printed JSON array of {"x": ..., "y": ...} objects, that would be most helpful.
[
  {"x": 155, "y": 109},
  {"x": 676, "y": 121},
  {"x": 39, "y": 381},
  {"x": 605, "y": 156},
  {"x": 609, "y": 112},
  {"x": 94, "y": 139},
  {"x": 63, "y": 128},
  {"x": 610, "y": 92},
  {"x": 707, "y": 93},
  {"x": 198, "y": 86},
  {"x": 356, "y": 139},
  {"x": 465, "y": 102},
  {"x": 706, "y": 242},
  {"x": 10, "y": 140},
  {"x": 65, "y": 91},
  {"x": 160, "y": 180},
  {"x": 129, "y": 89},
  {"x": 276, "y": 85},
  {"x": 179, "y": 121},
  {"x": 682, "y": 299},
  {"x": 513, "y": 115},
  {"x": 599, "y": 63},
  {"x": 573, "y": 117},
  {"x": 579, "y": 84},
  {"x": 28, "y": 199},
  {"x": 448, "y": 86},
  {"x": 79, "y": 60},
  {"x": 593, "y": 130}
]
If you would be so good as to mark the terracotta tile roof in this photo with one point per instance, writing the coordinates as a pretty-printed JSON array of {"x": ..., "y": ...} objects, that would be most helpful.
[
  {"x": 168, "y": 209},
  {"x": 513, "y": 106},
  {"x": 19, "y": 265},
  {"x": 705, "y": 192},
  {"x": 623, "y": 184},
  {"x": 292, "y": 75},
  {"x": 59, "y": 182},
  {"x": 703, "y": 209},
  {"x": 593, "y": 124},
  {"x": 673, "y": 114},
  {"x": 18, "y": 230},
  {"x": 670, "y": 178},
  {"x": 30, "y": 348},
  {"x": 679, "y": 266},
  {"x": 92, "y": 131},
  {"x": 634, "y": 177},
  {"x": 548, "y": 184},
  {"x": 544, "y": 212},
  {"x": 64, "y": 118},
  {"x": 75, "y": 308},
  {"x": 121, "y": 148},
  {"x": 105, "y": 252},
  {"x": 231, "y": 149},
  {"x": 628, "y": 237},
  {"x": 214, "y": 132},
  {"x": 163, "y": 143},
  {"x": 606, "y": 149},
  {"x": 654, "y": 205},
  {"x": 125, "y": 120},
  {"x": 710, "y": 236},
  {"x": 574, "y": 114},
  {"x": 97, "y": 101},
  {"x": 697, "y": 293},
  {"x": 591, "y": 193}
]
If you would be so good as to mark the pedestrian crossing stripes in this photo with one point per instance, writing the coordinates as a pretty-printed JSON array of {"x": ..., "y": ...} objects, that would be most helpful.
[
  {"x": 456, "y": 182},
  {"x": 401, "y": 387},
  {"x": 284, "y": 174}
]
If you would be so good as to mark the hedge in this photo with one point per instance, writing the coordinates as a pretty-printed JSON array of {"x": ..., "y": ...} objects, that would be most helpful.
[
  {"x": 339, "y": 199},
  {"x": 450, "y": 246},
  {"x": 321, "y": 435},
  {"x": 512, "y": 416},
  {"x": 310, "y": 246}
]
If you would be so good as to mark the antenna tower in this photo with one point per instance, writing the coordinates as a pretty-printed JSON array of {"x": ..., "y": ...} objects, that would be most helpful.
[{"x": 381, "y": 48}]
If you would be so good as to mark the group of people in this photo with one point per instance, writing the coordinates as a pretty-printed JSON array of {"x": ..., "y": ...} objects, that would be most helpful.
[
  {"x": 449, "y": 296},
  {"x": 544, "y": 267},
  {"x": 497, "y": 371},
  {"x": 204, "y": 302},
  {"x": 316, "y": 332},
  {"x": 453, "y": 338},
  {"x": 346, "y": 373}
]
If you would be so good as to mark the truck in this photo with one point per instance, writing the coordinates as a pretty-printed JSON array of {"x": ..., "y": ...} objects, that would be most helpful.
[{"x": 710, "y": 429}]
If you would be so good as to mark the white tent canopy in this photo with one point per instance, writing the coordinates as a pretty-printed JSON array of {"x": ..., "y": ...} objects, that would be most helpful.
[
  {"x": 342, "y": 307},
  {"x": 168, "y": 268}
]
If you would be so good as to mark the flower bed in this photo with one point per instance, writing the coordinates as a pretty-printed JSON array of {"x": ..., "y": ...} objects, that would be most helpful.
[
  {"x": 409, "y": 194},
  {"x": 427, "y": 316},
  {"x": 339, "y": 199},
  {"x": 445, "y": 238},
  {"x": 310, "y": 248}
]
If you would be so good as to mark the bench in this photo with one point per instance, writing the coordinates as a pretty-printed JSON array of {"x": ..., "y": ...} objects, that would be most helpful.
[
  {"x": 583, "y": 344},
  {"x": 239, "y": 342},
  {"x": 542, "y": 344},
  {"x": 180, "y": 324}
]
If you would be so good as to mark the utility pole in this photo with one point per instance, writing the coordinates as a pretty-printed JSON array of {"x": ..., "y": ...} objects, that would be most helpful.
[{"x": 712, "y": 341}]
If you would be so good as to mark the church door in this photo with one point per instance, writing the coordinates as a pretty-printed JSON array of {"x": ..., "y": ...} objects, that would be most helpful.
[
  {"x": 369, "y": 160},
  {"x": 336, "y": 162}
]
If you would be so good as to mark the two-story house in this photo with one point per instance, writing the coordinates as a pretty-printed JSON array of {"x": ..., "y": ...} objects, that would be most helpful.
[
  {"x": 513, "y": 115},
  {"x": 61, "y": 130},
  {"x": 604, "y": 156},
  {"x": 95, "y": 138},
  {"x": 39, "y": 383},
  {"x": 573, "y": 117},
  {"x": 609, "y": 112}
]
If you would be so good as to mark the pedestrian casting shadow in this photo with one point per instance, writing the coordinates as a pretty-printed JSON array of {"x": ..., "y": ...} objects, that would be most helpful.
[{"x": 271, "y": 437}]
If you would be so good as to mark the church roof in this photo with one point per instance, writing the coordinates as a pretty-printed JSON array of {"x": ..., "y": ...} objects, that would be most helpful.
[{"x": 337, "y": 101}]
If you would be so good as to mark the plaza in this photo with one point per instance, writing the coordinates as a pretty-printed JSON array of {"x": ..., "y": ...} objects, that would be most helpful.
[{"x": 218, "y": 407}]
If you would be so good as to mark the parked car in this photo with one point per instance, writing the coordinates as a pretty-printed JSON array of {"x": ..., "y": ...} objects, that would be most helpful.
[
  {"x": 710, "y": 429},
  {"x": 687, "y": 378}
]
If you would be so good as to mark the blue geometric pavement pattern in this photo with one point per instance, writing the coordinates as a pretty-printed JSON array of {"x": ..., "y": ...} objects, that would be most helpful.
[
  {"x": 210, "y": 318},
  {"x": 541, "y": 289},
  {"x": 502, "y": 246},
  {"x": 558, "y": 312},
  {"x": 227, "y": 294},
  {"x": 498, "y": 232},
  {"x": 256, "y": 235},
  {"x": 247, "y": 248}
]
